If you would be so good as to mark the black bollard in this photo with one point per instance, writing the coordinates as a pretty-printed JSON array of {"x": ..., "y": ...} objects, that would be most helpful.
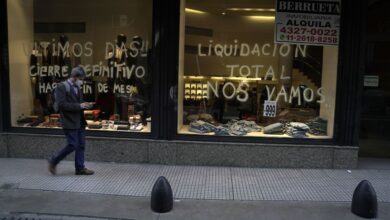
[
  {"x": 364, "y": 201},
  {"x": 162, "y": 198}
]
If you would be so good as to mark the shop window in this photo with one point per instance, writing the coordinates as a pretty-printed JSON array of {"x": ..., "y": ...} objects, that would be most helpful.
[
  {"x": 109, "y": 39},
  {"x": 235, "y": 81}
]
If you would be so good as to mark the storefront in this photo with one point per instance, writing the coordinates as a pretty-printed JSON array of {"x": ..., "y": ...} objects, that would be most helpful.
[{"x": 269, "y": 83}]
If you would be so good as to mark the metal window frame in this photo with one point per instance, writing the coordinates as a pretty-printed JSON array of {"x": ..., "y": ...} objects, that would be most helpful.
[
  {"x": 166, "y": 18},
  {"x": 349, "y": 82}
]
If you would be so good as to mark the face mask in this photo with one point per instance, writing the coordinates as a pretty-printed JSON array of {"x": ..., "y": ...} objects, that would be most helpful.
[{"x": 79, "y": 82}]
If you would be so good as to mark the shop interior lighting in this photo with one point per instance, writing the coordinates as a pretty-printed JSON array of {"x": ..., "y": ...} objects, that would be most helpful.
[
  {"x": 190, "y": 10},
  {"x": 244, "y": 79},
  {"x": 193, "y": 77},
  {"x": 224, "y": 78},
  {"x": 262, "y": 18},
  {"x": 217, "y": 78},
  {"x": 252, "y": 9}
]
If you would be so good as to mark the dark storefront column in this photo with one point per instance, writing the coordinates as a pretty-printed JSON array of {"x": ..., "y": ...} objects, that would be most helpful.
[
  {"x": 4, "y": 99},
  {"x": 167, "y": 51},
  {"x": 351, "y": 68}
]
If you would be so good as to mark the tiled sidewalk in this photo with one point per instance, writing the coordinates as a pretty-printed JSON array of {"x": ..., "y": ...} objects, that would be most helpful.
[{"x": 189, "y": 182}]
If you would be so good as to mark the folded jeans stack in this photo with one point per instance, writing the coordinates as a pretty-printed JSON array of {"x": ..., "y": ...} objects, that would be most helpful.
[
  {"x": 297, "y": 129},
  {"x": 236, "y": 130},
  {"x": 221, "y": 131},
  {"x": 242, "y": 127},
  {"x": 232, "y": 128},
  {"x": 201, "y": 127},
  {"x": 318, "y": 126}
]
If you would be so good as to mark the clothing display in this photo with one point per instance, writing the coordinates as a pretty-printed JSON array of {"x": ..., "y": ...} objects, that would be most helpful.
[
  {"x": 105, "y": 124},
  {"x": 135, "y": 119},
  {"x": 121, "y": 122},
  {"x": 242, "y": 127},
  {"x": 221, "y": 131},
  {"x": 318, "y": 126},
  {"x": 236, "y": 130},
  {"x": 29, "y": 121},
  {"x": 92, "y": 114},
  {"x": 125, "y": 101},
  {"x": 192, "y": 118},
  {"x": 206, "y": 117},
  {"x": 276, "y": 128},
  {"x": 108, "y": 124},
  {"x": 136, "y": 127},
  {"x": 115, "y": 117},
  {"x": 122, "y": 127},
  {"x": 201, "y": 127},
  {"x": 26, "y": 120},
  {"x": 94, "y": 124},
  {"x": 35, "y": 123},
  {"x": 99, "y": 126},
  {"x": 54, "y": 120},
  {"x": 232, "y": 128},
  {"x": 297, "y": 129}
]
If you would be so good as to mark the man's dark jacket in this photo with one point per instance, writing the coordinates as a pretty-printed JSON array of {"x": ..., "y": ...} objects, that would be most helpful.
[{"x": 72, "y": 116}]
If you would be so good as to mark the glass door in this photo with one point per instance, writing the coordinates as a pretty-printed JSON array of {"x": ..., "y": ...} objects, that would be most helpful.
[{"x": 375, "y": 117}]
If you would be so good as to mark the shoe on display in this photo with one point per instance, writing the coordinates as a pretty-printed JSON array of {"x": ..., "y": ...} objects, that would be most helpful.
[{"x": 139, "y": 127}]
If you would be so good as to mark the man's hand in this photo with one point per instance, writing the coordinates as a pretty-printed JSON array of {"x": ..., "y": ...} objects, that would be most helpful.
[{"x": 85, "y": 105}]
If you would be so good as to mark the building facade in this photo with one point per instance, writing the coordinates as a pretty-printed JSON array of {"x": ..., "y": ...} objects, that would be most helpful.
[{"x": 268, "y": 83}]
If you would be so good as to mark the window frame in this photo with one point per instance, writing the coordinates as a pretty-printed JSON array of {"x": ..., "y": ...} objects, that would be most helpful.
[
  {"x": 166, "y": 18},
  {"x": 349, "y": 78},
  {"x": 5, "y": 95}
]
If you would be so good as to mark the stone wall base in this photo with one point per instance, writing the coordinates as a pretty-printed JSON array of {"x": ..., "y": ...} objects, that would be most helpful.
[{"x": 185, "y": 152}]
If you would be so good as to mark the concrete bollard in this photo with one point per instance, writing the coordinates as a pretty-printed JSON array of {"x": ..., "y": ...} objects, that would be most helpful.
[
  {"x": 162, "y": 197},
  {"x": 364, "y": 201}
]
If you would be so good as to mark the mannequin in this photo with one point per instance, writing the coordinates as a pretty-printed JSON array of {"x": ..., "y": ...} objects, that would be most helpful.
[
  {"x": 64, "y": 39},
  {"x": 34, "y": 61},
  {"x": 63, "y": 60},
  {"x": 142, "y": 84},
  {"x": 34, "y": 58},
  {"x": 121, "y": 39},
  {"x": 139, "y": 40},
  {"x": 118, "y": 57},
  {"x": 46, "y": 55},
  {"x": 119, "y": 54}
]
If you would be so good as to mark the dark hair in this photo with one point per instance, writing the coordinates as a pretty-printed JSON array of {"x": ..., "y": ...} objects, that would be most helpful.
[{"x": 78, "y": 72}]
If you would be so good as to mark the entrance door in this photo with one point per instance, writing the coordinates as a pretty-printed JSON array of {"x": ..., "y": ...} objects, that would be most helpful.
[{"x": 375, "y": 117}]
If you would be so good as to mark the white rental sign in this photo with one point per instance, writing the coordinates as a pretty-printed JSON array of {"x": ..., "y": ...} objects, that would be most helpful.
[
  {"x": 269, "y": 109},
  {"x": 315, "y": 22}
]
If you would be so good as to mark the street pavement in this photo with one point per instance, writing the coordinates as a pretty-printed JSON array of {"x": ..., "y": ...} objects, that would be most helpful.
[{"x": 122, "y": 191}]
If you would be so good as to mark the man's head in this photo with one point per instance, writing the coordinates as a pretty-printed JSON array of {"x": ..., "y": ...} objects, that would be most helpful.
[{"x": 77, "y": 75}]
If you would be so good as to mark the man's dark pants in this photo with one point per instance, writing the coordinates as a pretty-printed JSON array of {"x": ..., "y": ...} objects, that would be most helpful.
[{"x": 75, "y": 141}]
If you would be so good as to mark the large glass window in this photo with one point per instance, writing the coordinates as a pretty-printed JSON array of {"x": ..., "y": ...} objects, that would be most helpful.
[
  {"x": 235, "y": 81},
  {"x": 109, "y": 39}
]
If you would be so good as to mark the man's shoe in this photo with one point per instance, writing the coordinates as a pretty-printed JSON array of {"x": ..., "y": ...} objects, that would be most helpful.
[
  {"x": 84, "y": 171},
  {"x": 52, "y": 168}
]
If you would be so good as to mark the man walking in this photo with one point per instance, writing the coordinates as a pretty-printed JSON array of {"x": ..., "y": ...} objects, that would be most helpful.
[{"x": 70, "y": 104}]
